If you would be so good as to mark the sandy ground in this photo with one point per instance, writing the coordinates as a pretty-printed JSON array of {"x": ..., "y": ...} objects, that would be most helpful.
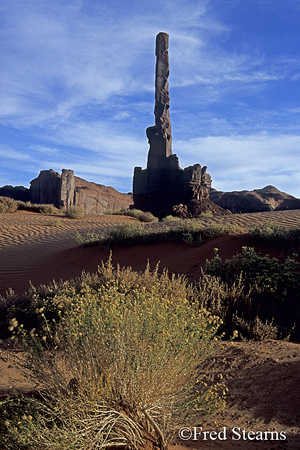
[{"x": 263, "y": 378}]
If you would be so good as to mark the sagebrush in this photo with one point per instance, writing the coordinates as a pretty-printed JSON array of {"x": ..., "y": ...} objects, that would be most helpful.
[
  {"x": 8, "y": 205},
  {"x": 120, "y": 365}
]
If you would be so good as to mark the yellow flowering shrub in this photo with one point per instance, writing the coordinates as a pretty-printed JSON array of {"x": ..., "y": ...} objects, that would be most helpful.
[{"x": 122, "y": 365}]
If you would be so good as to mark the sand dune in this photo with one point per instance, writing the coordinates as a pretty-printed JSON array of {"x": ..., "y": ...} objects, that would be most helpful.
[{"x": 31, "y": 249}]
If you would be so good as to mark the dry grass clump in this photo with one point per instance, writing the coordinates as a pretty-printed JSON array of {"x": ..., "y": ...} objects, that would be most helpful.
[
  {"x": 8, "y": 205},
  {"x": 138, "y": 214},
  {"x": 43, "y": 208},
  {"x": 75, "y": 212},
  {"x": 54, "y": 223},
  {"x": 171, "y": 218},
  {"x": 119, "y": 367}
]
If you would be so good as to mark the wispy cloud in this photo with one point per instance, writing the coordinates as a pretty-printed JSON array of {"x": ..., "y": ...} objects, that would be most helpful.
[
  {"x": 9, "y": 153},
  {"x": 245, "y": 161}
]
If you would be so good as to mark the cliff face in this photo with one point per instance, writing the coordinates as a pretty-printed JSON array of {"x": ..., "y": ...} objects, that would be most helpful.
[
  {"x": 45, "y": 188},
  {"x": 65, "y": 190},
  {"x": 97, "y": 198}
]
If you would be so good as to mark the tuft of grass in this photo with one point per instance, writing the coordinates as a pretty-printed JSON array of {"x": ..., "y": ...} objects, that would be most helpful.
[
  {"x": 205, "y": 214},
  {"x": 142, "y": 216},
  {"x": 75, "y": 212},
  {"x": 8, "y": 205},
  {"x": 171, "y": 218},
  {"x": 54, "y": 223},
  {"x": 119, "y": 365},
  {"x": 48, "y": 209}
]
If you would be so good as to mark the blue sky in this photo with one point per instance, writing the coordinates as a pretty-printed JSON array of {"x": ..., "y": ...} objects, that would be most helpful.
[{"x": 77, "y": 88}]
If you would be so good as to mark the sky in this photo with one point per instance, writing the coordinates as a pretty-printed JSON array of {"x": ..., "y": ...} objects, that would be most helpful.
[{"x": 77, "y": 89}]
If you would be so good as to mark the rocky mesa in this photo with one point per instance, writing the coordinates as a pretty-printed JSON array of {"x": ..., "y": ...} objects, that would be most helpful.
[{"x": 65, "y": 190}]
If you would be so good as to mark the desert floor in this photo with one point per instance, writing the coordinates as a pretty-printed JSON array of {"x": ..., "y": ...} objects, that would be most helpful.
[{"x": 263, "y": 378}]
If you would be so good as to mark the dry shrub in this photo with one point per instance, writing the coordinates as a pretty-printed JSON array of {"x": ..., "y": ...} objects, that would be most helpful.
[
  {"x": 8, "y": 205},
  {"x": 171, "y": 218},
  {"x": 54, "y": 223},
  {"x": 44, "y": 208},
  {"x": 75, "y": 212},
  {"x": 47, "y": 209},
  {"x": 122, "y": 365},
  {"x": 257, "y": 329},
  {"x": 137, "y": 214}
]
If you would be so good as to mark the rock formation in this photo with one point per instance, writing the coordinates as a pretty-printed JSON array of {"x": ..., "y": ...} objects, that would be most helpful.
[
  {"x": 16, "y": 192},
  {"x": 163, "y": 184},
  {"x": 268, "y": 198},
  {"x": 65, "y": 190}
]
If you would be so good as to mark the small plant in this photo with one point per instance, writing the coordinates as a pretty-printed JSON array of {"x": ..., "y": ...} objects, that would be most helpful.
[
  {"x": 257, "y": 329},
  {"x": 170, "y": 218},
  {"x": 54, "y": 223},
  {"x": 75, "y": 212},
  {"x": 205, "y": 214},
  {"x": 216, "y": 229},
  {"x": 137, "y": 214},
  {"x": 47, "y": 209},
  {"x": 8, "y": 205}
]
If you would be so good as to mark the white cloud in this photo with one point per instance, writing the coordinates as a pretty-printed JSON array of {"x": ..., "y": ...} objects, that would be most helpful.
[
  {"x": 245, "y": 162},
  {"x": 9, "y": 153}
]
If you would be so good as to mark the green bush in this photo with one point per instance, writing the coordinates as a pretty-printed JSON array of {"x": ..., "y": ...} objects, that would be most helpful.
[
  {"x": 120, "y": 367},
  {"x": 8, "y": 205},
  {"x": 218, "y": 229},
  {"x": 276, "y": 235},
  {"x": 274, "y": 287},
  {"x": 75, "y": 212}
]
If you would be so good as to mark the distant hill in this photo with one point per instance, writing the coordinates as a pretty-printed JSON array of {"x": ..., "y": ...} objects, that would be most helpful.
[
  {"x": 16, "y": 192},
  {"x": 268, "y": 198}
]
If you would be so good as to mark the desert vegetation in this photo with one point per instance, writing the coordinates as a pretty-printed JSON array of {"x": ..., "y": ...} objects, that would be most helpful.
[
  {"x": 75, "y": 212},
  {"x": 266, "y": 296},
  {"x": 38, "y": 208},
  {"x": 273, "y": 234},
  {"x": 185, "y": 230},
  {"x": 137, "y": 214},
  {"x": 8, "y": 205},
  {"x": 115, "y": 359}
]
